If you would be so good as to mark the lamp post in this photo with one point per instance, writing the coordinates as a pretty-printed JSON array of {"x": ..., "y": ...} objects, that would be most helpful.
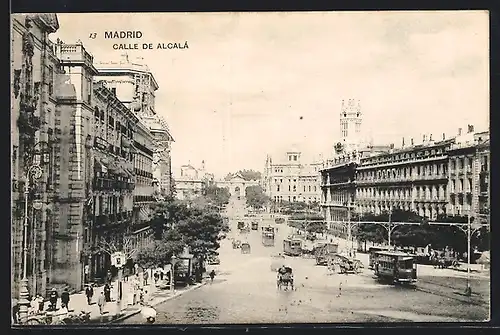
[
  {"x": 34, "y": 172},
  {"x": 172, "y": 273}
]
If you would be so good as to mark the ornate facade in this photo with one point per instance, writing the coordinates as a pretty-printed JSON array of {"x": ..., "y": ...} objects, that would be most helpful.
[
  {"x": 135, "y": 86},
  {"x": 34, "y": 68},
  {"x": 112, "y": 177},
  {"x": 448, "y": 177},
  {"x": 291, "y": 180}
]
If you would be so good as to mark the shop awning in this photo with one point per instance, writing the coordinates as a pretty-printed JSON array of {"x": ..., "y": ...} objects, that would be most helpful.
[{"x": 99, "y": 166}]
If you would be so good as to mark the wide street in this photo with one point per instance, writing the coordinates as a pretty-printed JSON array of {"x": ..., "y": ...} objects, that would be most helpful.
[{"x": 244, "y": 291}]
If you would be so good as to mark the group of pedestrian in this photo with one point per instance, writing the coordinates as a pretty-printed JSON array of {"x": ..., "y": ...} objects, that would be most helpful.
[{"x": 54, "y": 297}]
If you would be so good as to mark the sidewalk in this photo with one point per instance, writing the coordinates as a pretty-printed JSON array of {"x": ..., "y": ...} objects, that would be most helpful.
[{"x": 78, "y": 303}]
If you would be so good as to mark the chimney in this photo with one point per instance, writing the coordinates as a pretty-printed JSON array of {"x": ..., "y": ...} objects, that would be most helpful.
[
  {"x": 430, "y": 138},
  {"x": 403, "y": 144},
  {"x": 411, "y": 141},
  {"x": 459, "y": 131},
  {"x": 424, "y": 138},
  {"x": 444, "y": 136},
  {"x": 470, "y": 128}
]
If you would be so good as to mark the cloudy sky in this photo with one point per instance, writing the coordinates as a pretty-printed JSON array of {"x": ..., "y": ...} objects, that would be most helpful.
[{"x": 238, "y": 92}]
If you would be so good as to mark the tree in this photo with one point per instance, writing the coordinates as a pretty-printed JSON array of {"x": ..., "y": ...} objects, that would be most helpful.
[
  {"x": 160, "y": 252},
  {"x": 255, "y": 197},
  {"x": 166, "y": 214},
  {"x": 201, "y": 231},
  {"x": 219, "y": 196}
]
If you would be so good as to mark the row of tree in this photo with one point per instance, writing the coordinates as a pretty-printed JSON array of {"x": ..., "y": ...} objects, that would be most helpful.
[{"x": 420, "y": 234}]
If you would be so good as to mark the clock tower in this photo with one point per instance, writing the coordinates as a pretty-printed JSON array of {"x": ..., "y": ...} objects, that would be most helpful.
[{"x": 350, "y": 126}]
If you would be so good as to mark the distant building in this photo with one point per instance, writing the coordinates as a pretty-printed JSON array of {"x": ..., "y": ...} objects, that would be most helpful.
[
  {"x": 237, "y": 185},
  {"x": 190, "y": 182},
  {"x": 291, "y": 180}
]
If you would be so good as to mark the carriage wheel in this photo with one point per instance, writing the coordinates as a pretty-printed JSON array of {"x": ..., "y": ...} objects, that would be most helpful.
[
  {"x": 58, "y": 322},
  {"x": 33, "y": 322},
  {"x": 356, "y": 267}
]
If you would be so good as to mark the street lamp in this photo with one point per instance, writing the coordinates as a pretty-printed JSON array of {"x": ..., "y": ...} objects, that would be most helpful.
[
  {"x": 172, "y": 278},
  {"x": 34, "y": 172}
]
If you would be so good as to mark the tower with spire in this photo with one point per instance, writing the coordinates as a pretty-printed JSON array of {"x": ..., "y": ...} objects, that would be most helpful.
[{"x": 350, "y": 124}]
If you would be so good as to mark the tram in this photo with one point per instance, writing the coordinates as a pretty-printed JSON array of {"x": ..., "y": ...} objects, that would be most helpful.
[{"x": 397, "y": 267}]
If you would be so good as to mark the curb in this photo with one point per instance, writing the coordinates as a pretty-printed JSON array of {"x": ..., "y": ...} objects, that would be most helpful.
[{"x": 160, "y": 301}]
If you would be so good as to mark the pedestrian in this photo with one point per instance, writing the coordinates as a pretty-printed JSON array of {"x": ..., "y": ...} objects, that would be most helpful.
[
  {"x": 161, "y": 275},
  {"x": 340, "y": 290},
  {"x": 33, "y": 305},
  {"x": 156, "y": 276},
  {"x": 146, "y": 276},
  {"x": 53, "y": 299},
  {"x": 109, "y": 276},
  {"x": 107, "y": 292},
  {"x": 212, "y": 275},
  {"x": 89, "y": 292},
  {"x": 65, "y": 298},
  {"x": 15, "y": 311},
  {"x": 101, "y": 301},
  {"x": 41, "y": 302}
]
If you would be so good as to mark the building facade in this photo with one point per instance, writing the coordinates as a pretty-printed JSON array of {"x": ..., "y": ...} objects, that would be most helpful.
[
  {"x": 291, "y": 180},
  {"x": 112, "y": 177},
  {"x": 190, "y": 181},
  {"x": 34, "y": 71},
  {"x": 445, "y": 177},
  {"x": 136, "y": 87},
  {"x": 237, "y": 185}
]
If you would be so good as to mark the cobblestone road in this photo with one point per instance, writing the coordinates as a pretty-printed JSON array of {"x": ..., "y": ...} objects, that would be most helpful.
[{"x": 245, "y": 292}]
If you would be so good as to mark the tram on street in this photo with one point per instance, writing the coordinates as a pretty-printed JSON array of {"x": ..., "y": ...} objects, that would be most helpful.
[
  {"x": 373, "y": 254},
  {"x": 397, "y": 267},
  {"x": 292, "y": 246}
]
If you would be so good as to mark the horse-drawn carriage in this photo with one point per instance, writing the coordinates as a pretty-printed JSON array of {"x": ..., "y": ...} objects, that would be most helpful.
[
  {"x": 285, "y": 278},
  {"x": 344, "y": 264}
]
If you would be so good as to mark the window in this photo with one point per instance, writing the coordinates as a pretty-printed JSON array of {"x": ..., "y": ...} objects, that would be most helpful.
[
  {"x": 278, "y": 188},
  {"x": 51, "y": 80},
  {"x": 289, "y": 188},
  {"x": 295, "y": 157},
  {"x": 294, "y": 188},
  {"x": 113, "y": 90}
]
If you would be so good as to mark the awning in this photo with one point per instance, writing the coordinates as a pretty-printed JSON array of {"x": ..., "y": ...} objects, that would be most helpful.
[
  {"x": 99, "y": 166},
  {"x": 113, "y": 167},
  {"x": 143, "y": 214}
]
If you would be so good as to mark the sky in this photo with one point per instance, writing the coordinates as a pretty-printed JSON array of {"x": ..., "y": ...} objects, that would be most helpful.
[{"x": 252, "y": 84}]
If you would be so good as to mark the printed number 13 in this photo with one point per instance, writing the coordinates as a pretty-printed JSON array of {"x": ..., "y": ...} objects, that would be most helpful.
[{"x": 93, "y": 35}]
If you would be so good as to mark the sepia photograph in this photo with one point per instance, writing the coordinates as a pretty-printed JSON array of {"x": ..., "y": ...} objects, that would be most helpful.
[{"x": 250, "y": 168}]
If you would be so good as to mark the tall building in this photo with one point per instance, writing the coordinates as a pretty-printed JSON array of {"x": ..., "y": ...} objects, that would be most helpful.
[
  {"x": 289, "y": 179},
  {"x": 35, "y": 139},
  {"x": 135, "y": 86},
  {"x": 111, "y": 179},
  {"x": 444, "y": 177}
]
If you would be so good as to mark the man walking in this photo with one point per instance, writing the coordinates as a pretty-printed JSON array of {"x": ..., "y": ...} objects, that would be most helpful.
[
  {"x": 101, "y": 301},
  {"x": 65, "y": 298},
  {"x": 89, "y": 292},
  {"x": 212, "y": 275}
]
